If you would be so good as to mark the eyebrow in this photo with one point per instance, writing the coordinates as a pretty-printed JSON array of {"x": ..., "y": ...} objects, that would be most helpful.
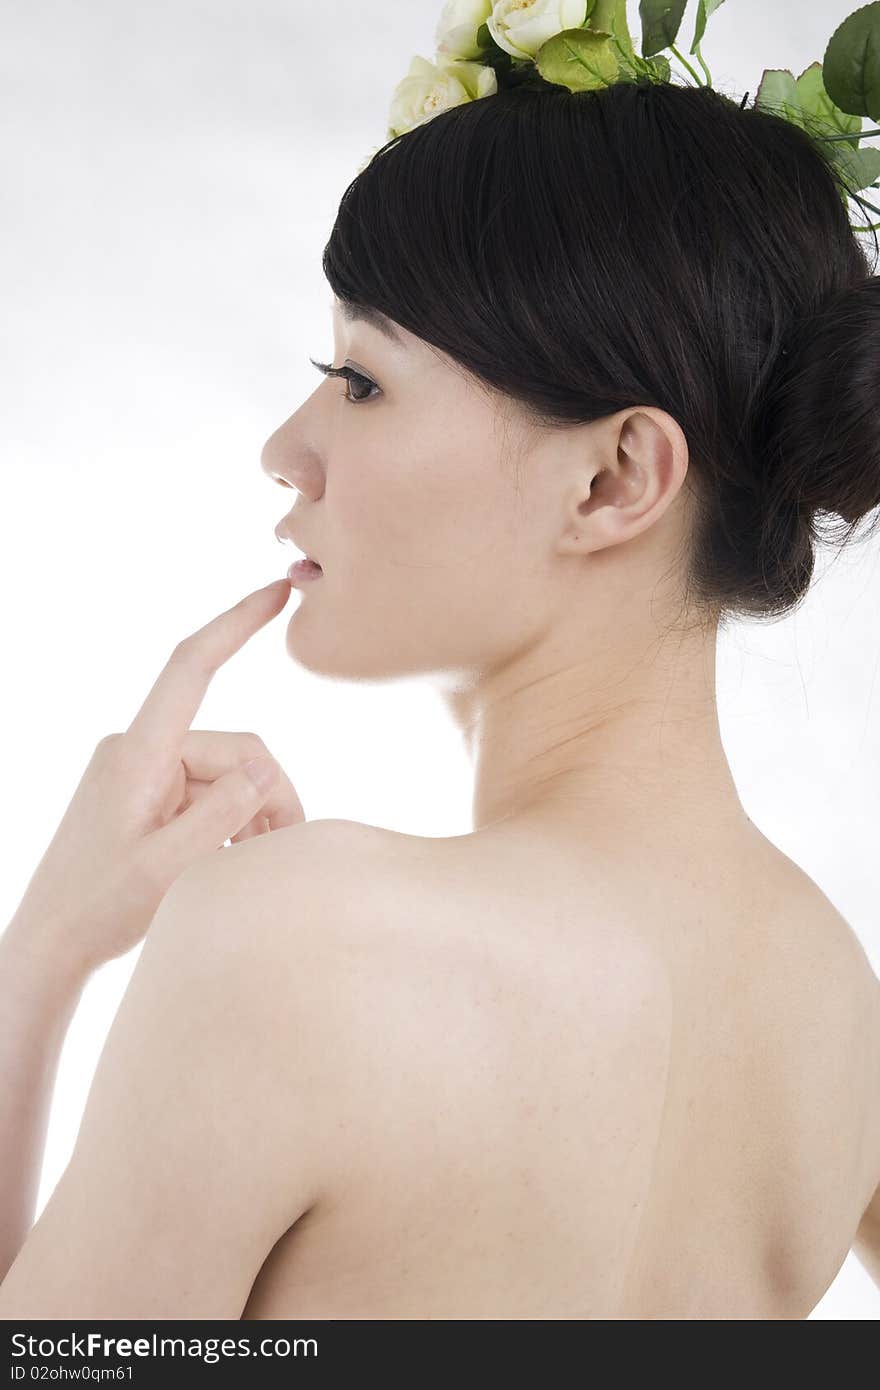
[{"x": 367, "y": 314}]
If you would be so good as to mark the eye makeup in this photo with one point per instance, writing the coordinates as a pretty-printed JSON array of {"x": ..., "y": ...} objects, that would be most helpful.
[{"x": 351, "y": 377}]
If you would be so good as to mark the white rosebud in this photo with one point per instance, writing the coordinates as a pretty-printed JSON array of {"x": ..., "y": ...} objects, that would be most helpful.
[
  {"x": 520, "y": 27},
  {"x": 430, "y": 88},
  {"x": 456, "y": 34}
]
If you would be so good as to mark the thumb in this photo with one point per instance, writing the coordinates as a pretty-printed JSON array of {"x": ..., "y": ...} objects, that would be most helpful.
[{"x": 220, "y": 812}]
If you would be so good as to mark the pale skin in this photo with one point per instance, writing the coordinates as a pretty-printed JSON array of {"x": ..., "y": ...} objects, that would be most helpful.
[
  {"x": 540, "y": 607},
  {"x": 584, "y": 1061}
]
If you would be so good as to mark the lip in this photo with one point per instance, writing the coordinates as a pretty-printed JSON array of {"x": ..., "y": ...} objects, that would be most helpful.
[{"x": 304, "y": 571}]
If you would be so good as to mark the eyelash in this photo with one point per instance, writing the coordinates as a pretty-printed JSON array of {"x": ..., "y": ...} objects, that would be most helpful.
[{"x": 349, "y": 375}]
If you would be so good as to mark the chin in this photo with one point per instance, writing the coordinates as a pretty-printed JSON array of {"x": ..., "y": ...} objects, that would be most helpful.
[{"x": 346, "y": 655}]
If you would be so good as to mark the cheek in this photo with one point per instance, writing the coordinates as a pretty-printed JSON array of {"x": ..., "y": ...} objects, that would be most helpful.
[
  {"x": 427, "y": 528},
  {"x": 450, "y": 571},
  {"x": 424, "y": 586},
  {"x": 430, "y": 510}
]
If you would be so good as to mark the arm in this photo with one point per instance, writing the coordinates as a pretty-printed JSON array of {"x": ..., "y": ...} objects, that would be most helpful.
[
  {"x": 39, "y": 992},
  {"x": 200, "y": 1140},
  {"x": 867, "y": 1242}
]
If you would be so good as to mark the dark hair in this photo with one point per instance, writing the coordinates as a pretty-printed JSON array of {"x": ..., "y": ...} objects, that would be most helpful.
[{"x": 652, "y": 244}]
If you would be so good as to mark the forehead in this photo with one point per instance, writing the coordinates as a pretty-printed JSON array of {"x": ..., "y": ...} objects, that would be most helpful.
[
  {"x": 364, "y": 313},
  {"x": 419, "y": 355}
]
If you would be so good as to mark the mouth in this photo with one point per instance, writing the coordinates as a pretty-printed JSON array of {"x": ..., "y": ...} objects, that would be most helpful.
[{"x": 304, "y": 569}]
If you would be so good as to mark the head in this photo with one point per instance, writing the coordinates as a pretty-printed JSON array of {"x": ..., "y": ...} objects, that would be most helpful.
[{"x": 636, "y": 365}]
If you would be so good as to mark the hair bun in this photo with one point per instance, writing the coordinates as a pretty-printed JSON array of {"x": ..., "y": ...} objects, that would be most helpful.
[{"x": 820, "y": 419}]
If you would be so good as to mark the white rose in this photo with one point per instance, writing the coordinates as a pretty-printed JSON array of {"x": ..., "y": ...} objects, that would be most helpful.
[
  {"x": 430, "y": 88},
  {"x": 520, "y": 27},
  {"x": 456, "y": 34}
]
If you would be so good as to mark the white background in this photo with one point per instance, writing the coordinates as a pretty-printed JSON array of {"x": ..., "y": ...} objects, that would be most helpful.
[{"x": 171, "y": 173}]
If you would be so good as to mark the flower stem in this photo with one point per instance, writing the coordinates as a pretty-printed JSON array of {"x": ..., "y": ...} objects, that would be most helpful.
[
  {"x": 864, "y": 202},
  {"x": 685, "y": 63},
  {"x": 699, "y": 57},
  {"x": 854, "y": 135}
]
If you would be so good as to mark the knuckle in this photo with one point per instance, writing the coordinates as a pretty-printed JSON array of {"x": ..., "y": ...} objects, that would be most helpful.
[
  {"x": 108, "y": 741},
  {"x": 187, "y": 651},
  {"x": 253, "y": 744},
  {"x": 183, "y": 650}
]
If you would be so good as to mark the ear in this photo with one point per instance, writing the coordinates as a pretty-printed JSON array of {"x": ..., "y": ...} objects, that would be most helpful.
[{"x": 629, "y": 469}]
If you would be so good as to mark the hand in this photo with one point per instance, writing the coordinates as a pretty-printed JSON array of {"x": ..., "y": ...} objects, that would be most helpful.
[{"x": 152, "y": 800}]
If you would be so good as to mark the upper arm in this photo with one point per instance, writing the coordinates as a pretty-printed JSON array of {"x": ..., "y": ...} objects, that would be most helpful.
[
  {"x": 866, "y": 1244},
  {"x": 867, "y": 1239},
  {"x": 198, "y": 1143}
]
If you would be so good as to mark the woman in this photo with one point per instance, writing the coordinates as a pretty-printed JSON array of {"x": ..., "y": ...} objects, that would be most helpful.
[{"x": 608, "y": 360}]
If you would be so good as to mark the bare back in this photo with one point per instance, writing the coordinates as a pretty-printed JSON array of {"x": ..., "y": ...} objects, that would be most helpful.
[{"x": 571, "y": 1091}]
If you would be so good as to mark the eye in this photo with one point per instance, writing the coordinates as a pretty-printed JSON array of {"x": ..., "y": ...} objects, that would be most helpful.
[{"x": 352, "y": 377}]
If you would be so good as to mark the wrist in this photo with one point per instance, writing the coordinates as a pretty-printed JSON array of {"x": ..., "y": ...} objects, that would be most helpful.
[{"x": 47, "y": 948}]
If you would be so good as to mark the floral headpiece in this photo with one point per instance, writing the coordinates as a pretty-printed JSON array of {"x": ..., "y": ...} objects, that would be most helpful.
[{"x": 484, "y": 47}]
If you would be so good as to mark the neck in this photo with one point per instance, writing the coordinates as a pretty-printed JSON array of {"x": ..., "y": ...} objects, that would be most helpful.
[{"x": 633, "y": 730}]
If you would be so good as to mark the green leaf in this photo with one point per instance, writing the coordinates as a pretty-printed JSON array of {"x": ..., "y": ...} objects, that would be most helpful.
[
  {"x": 778, "y": 92},
  {"x": 806, "y": 103},
  {"x": 660, "y": 66},
  {"x": 609, "y": 17},
  {"x": 816, "y": 103},
  {"x": 858, "y": 167},
  {"x": 870, "y": 169},
  {"x": 633, "y": 68},
  {"x": 661, "y": 21},
  {"x": 851, "y": 66},
  {"x": 579, "y": 59},
  {"x": 705, "y": 9},
  {"x": 814, "y": 98}
]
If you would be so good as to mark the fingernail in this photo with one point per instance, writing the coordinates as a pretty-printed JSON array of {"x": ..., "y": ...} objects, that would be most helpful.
[
  {"x": 277, "y": 583},
  {"x": 262, "y": 772}
]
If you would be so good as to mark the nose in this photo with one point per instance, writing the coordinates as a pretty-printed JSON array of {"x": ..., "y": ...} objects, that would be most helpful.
[
  {"x": 291, "y": 456},
  {"x": 270, "y": 460}
]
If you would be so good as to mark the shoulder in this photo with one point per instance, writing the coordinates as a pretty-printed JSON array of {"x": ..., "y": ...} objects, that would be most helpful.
[
  {"x": 212, "y": 1123},
  {"x": 276, "y": 912},
  {"x": 294, "y": 871},
  {"x": 251, "y": 970},
  {"x": 298, "y": 927},
  {"x": 388, "y": 964}
]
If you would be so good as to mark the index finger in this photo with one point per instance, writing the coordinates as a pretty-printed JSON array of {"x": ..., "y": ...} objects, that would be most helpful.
[{"x": 173, "y": 702}]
